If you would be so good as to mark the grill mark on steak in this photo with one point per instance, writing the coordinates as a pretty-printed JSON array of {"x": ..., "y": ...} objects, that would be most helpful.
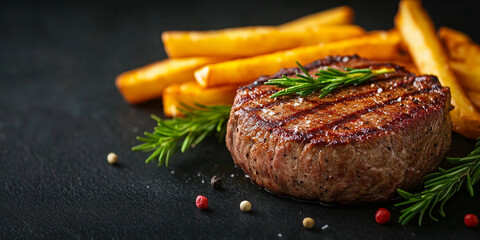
[
  {"x": 368, "y": 109},
  {"x": 308, "y": 135},
  {"x": 318, "y": 106},
  {"x": 323, "y": 105},
  {"x": 315, "y": 108},
  {"x": 397, "y": 122}
]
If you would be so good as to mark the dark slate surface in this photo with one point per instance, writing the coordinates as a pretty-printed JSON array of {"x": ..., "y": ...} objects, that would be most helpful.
[{"x": 60, "y": 115}]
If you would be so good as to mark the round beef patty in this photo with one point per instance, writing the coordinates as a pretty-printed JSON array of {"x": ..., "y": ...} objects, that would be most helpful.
[{"x": 357, "y": 144}]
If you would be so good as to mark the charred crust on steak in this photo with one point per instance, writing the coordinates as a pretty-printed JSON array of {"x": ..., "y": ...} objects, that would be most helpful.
[{"x": 357, "y": 144}]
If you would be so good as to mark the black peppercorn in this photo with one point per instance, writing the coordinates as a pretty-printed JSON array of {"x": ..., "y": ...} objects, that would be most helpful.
[{"x": 216, "y": 182}]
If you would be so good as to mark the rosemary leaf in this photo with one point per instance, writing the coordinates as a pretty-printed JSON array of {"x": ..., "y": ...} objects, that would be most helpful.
[
  {"x": 324, "y": 81},
  {"x": 171, "y": 135}
]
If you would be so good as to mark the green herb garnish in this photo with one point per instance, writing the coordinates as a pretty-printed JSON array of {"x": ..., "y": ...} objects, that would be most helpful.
[
  {"x": 441, "y": 186},
  {"x": 324, "y": 80},
  {"x": 171, "y": 135}
]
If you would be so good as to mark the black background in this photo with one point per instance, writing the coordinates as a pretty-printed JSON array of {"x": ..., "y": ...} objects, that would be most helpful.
[{"x": 60, "y": 115}]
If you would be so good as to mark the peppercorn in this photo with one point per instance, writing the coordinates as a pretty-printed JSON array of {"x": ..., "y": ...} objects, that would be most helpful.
[
  {"x": 245, "y": 206},
  {"x": 308, "y": 222},
  {"x": 216, "y": 182},
  {"x": 382, "y": 216},
  {"x": 471, "y": 220},
  {"x": 112, "y": 158},
  {"x": 201, "y": 202}
]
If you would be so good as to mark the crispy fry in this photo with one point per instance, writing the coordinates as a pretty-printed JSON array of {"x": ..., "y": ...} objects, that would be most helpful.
[
  {"x": 475, "y": 98},
  {"x": 464, "y": 57},
  {"x": 468, "y": 75},
  {"x": 191, "y": 93},
  {"x": 148, "y": 82},
  {"x": 418, "y": 32},
  {"x": 459, "y": 46},
  {"x": 335, "y": 16},
  {"x": 250, "y": 41},
  {"x": 380, "y": 45},
  {"x": 464, "y": 52},
  {"x": 452, "y": 36}
]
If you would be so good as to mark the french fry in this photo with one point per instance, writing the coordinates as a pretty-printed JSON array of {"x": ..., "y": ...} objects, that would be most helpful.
[
  {"x": 418, "y": 32},
  {"x": 465, "y": 51},
  {"x": 467, "y": 74},
  {"x": 250, "y": 41},
  {"x": 335, "y": 16},
  {"x": 464, "y": 57},
  {"x": 190, "y": 93},
  {"x": 475, "y": 98},
  {"x": 452, "y": 36},
  {"x": 380, "y": 46},
  {"x": 148, "y": 82},
  {"x": 459, "y": 46}
]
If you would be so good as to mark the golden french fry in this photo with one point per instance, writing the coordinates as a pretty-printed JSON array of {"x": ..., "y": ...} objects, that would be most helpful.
[
  {"x": 466, "y": 52},
  {"x": 468, "y": 75},
  {"x": 250, "y": 41},
  {"x": 379, "y": 45},
  {"x": 148, "y": 82},
  {"x": 460, "y": 47},
  {"x": 335, "y": 16},
  {"x": 475, "y": 98},
  {"x": 464, "y": 57},
  {"x": 448, "y": 35},
  {"x": 418, "y": 32},
  {"x": 190, "y": 93}
]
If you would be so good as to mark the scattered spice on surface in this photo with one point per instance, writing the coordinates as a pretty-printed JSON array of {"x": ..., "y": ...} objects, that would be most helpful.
[
  {"x": 245, "y": 206},
  {"x": 308, "y": 222},
  {"x": 112, "y": 158},
  {"x": 201, "y": 202},
  {"x": 471, "y": 220},
  {"x": 216, "y": 182},
  {"x": 382, "y": 216}
]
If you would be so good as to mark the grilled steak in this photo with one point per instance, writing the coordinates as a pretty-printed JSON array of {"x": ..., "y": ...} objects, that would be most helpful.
[{"x": 357, "y": 144}]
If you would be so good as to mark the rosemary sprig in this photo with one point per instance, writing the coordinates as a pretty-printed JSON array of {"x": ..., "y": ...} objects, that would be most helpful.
[
  {"x": 171, "y": 135},
  {"x": 441, "y": 186},
  {"x": 324, "y": 80}
]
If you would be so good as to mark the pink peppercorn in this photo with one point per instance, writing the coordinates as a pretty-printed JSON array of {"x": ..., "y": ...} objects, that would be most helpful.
[
  {"x": 382, "y": 216},
  {"x": 202, "y": 202},
  {"x": 470, "y": 220}
]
